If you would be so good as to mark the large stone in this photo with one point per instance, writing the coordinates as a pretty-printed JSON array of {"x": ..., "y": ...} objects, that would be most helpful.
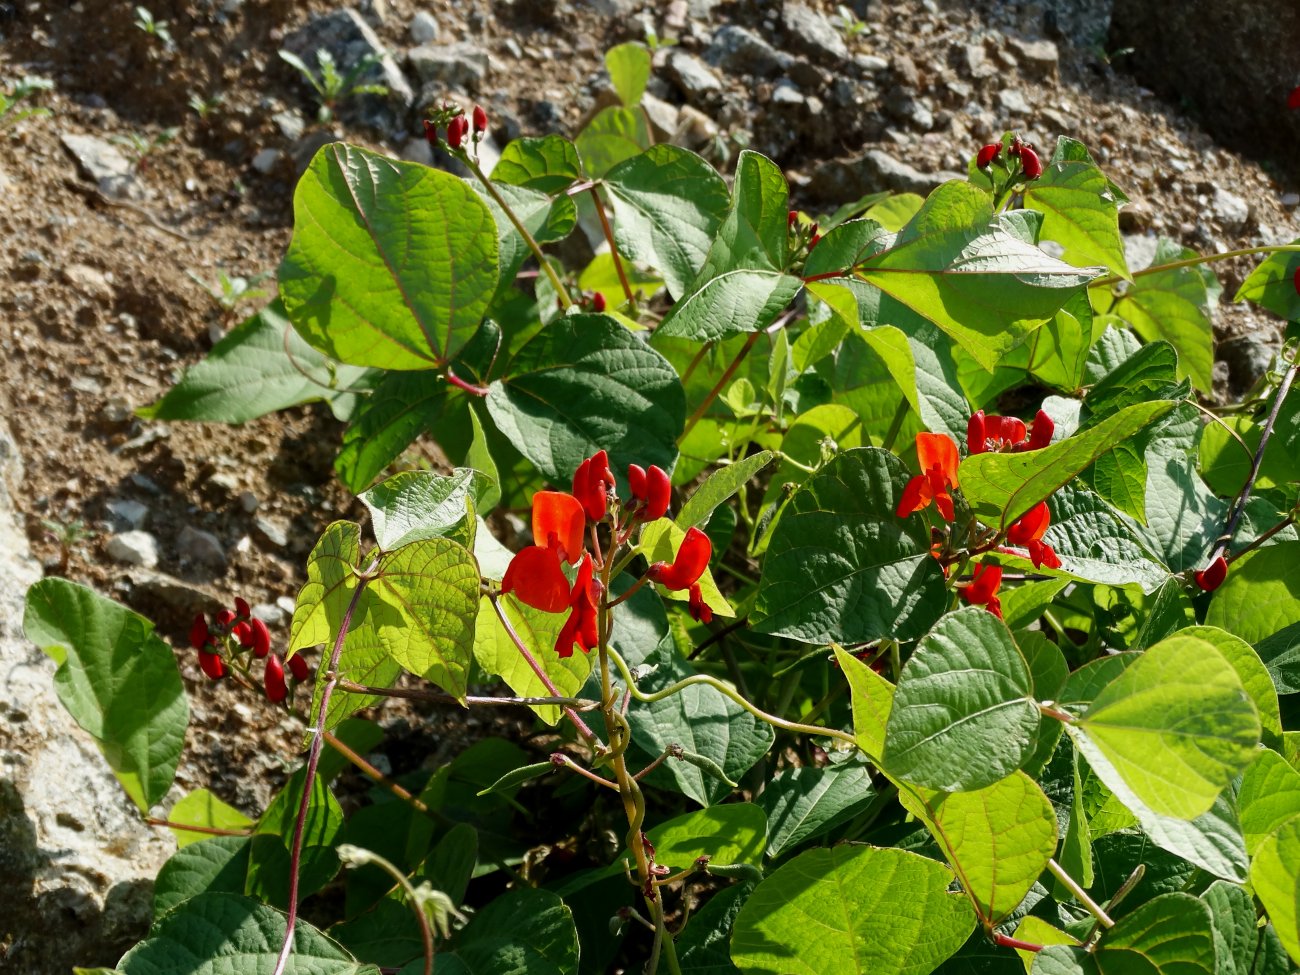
[
  {"x": 104, "y": 163},
  {"x": 811, "y": 33},
  {"x": 737, "y": 50},
  {"x": 847, "y": 179},
  {"x": 463, "y": 66},
  {"x": 1224, "y": 62},
  {"x": 349, "y": 40},
  {"x": 692, "y": 77},
  {"x": 76, "y": 862}
]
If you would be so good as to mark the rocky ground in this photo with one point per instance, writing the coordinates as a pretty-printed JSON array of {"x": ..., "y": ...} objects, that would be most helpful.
[{"x": 109, "y": 220}]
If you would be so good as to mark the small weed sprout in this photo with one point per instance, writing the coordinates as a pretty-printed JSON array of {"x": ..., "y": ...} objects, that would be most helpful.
[
  {"x": 12, "y": 111},
  {"x": 205, "y": 105},
  {"x": 330, "y": 86},
  {"x": 67, "y": 535},
  {"x": 230, "y": 292},
  {"x": 154, "y": 28},
  {"x": 141, "y": 147}
]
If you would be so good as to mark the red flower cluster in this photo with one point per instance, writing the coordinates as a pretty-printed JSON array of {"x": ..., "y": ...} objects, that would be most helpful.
[
  {"x": 1000, "y": 433},
  {"x": 1027, "y": 532},
  {"x": 982, "y": 590},
  {"x": 458, "y": 127},
  {"x": 236, "y": 631},
  {"x": 536, "y": 574},
  {"x": 937, "y": 454},
  {"x": 1030, "y": 165}
]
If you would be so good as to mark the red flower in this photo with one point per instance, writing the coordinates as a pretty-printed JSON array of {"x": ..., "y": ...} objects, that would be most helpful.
[
  {"x": 988, "y": 154},
  {"x": 558, "y": 523},
  {"x": 1030, "y": 164},
  {"x": 1040, "y": 432},
  {"x": 598, "y": 302},
  {"x": 535, "y": 577},
  {"x": 983, "y": 588},
  {"x": 591, "y": 483},
  {"x": 430, "y": 133},
  {"x": 261, "y": 638},
  {"x": 691, "y": 561},
  {"x": 212, "y": 665},
  {"x": 652, "y": 488},
  {"x": 199, "y": 635},
  {"x": 582, "y": 625},
  {"x": 298, "y": 667},
  {"x": 985, "y": 433},
  {"x": 480, "y": 120},
  {"x": 223, "y": 619},
  {"x": 457, "y": 129},
  {"x": 242, "y": 632},
  {"x": 698, "y": 607},
  {"x": 273, "y": 680},
  {"x": 1211, "y": 577},
  {"x": 937, "y": 454},
  {"x": 1293, "y": 99},
  {"x": 1028, "y": 531},
  {"x": 242, "y": 610}
]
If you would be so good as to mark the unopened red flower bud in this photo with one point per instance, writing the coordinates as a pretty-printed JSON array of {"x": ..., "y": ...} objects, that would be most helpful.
[
  {"x": 1030, "y": 164},
  {"x": 431, "y": 133},
  {"x": 988, "y": 154},
  {"x": 261, "y": 638},
  {"x": 1211, "y": 577},
  {"x": 273, "y": 680},
  {"x": 659, "y": 491},
  {"x": 242, "y": 610},
  {"x": 975, "y": 433},
  {"x": 480, "y": 120},
  {"x": 1296, "y": 280},
  {"x": 1293, "y": 99},
  {"x": 225, "y": 618},
  {"x": 457, "y": 129},
  {"x": 636, "y": 481},
  {"x": 212, "y": 665},
  {"x": 298, "y": 667},
  {"x": 814, "y": 241},
  {"x": 242, "y": 632},
  {"x": 199, "y": 635},
  {"x": 597, "y": 302},
  {"x": 792, "y": 218}
]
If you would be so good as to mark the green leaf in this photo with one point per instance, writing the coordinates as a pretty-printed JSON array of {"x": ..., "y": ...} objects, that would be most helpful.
[
  {"x": 894, "y": 212},
  {"x": 1225, "y": 464},
  {"x": 417, "y": 505},
  {"x": 667, "y": 205},
  {"x": 842, "y": 566},
  {"x": 615, "y": 134},
  {"x": 517, "y": 777},
  {"x": 117, "y": 679},
  {"x": 1261, "y": 595},
  {"x": 391, "y": 265},
  {"x": 742, "y": 285},
  {"x": 546, "y": 218},
  {"x": 629, "y": 70},
  {"x": 702, "y": 720},
  {"x": 1272, "y": 285},
  {"x": 873, "y": 699},
  {"x": 1275, "y": 875},
  {"x": 997, "y": 839},
  {"x": 969, "y": 272},
  {"x": 210, "y": 863},
  {"x": 549, "y": 164},
  {"x": 1269, "y": 796},
  {"x": 1002, "y": 487},
  {"x": 1176, "y": 306},
  {"x": 497, "y": 654},
  {"x": 720, "y": 486},
  {"x": 401, "y": 407},
  {"x": 202, "y": 808},
  {"x": 1172, "y": 730},
  {"x": 703, "y": 948},
  {"x": 219, "y": 933},
  {"x": 261, "y": 366},
  {"x": 1097, "y": 543},
  {"x": 803, "y": 803},
  {"x": 734, "y": 833},
  {"x": 837, "y": 912},
  {"x": 1170, "y": 935},
  {"x": 964, "y": 715},
  {"x": 1079, "y": 210},
  {"x": 1232, "y": 912},
  {"x": 1254, "y": 677},
  {"x": 583, "y": 384}
]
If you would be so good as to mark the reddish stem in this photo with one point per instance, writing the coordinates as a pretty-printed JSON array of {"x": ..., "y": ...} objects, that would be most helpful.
[
  {"x": 720, "y": 385},
  {"x": 209, "y": 830},
  {"x": 825, "y": 275},
  {"x": 470, "y": 388},
  {"x": 1008, "y": 942},
  {"x": 613, "y": 247}
]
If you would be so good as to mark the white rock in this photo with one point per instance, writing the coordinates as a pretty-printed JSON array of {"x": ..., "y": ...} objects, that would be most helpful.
[
  {"x": 424, "y": 28},
  {"x": 134, "y": 548},
  {"x": 202, "y": 547},
  {"x": 130, "y": 514},
  {"x": 266, "y": 160}
]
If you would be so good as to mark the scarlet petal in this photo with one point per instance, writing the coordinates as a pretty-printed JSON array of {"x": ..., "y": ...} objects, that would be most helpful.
[
  {"x": 480, "y": 119},
  {"x": 243, "y": 633},
  {"x": 636, "y": 481},
  {"x": 915, "y": 496},
  {"x": 559, "y": 521},
  {"x": 1040, "y": 431},
  {"x": 698, "y": 607},
  {"x": 1013, "y": 429},
  {"x": 298, "y": 667},
  {"x": 938, "y": 450},
  {"x": 983, "y": 585},
  {"x": 590, "y": 485},
  {"x": 975, "y": 435},
  {"x": 659, "y": 492},
  {"x": 1030, "y": 526},
  {"x": 1293, "y": 99},
  {"x": 1211, "y": 577},
  {"x": 987, "y": 154},
  {"x": 242, "y": 609},
  {"x": 212, "y": 665},
  {"x": 199, "y": 632},
  {"x": 1030, "y": 163},
  {"x": 692, "y": 559},
  {"x": 273, "y": 680},
  {"x": 535, "y": 577},
  {"x": 261, "y": 638}
]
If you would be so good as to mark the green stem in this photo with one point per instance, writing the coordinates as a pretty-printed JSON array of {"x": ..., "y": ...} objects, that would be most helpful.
[
  {"x": 730, "y": 692},
  {"x": 900, "y": 414},
  {"x": 1080, "y": 894},
  {"x": 358, "y": 856},
  {"x": 1114, "y": 279},
  {"x": 533, "y": 246},
  {"x": 719, "y": 385}
]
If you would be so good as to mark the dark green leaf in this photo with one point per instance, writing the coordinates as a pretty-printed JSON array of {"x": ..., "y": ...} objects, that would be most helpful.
[
  {"x": 803, "y": 803},
  {"x": 549, "y": 164}
]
